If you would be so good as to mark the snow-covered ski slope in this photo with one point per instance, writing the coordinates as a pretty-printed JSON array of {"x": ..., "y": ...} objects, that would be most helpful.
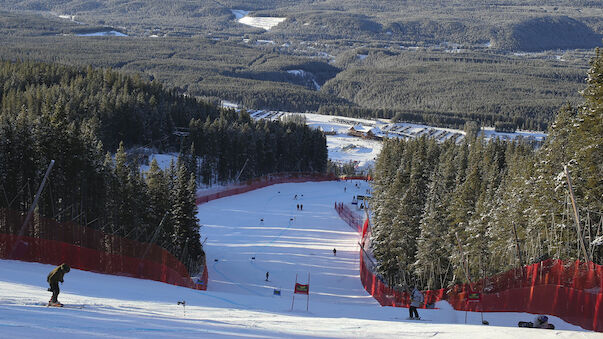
[{"x": 239, "y": 302}]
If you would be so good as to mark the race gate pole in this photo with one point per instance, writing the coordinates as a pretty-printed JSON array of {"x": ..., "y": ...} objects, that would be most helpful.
[
  {"x": 293, "y": 302},
  {"x": 308, "y": 300}
]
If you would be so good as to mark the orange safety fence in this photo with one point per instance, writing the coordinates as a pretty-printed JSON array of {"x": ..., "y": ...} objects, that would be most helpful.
[
  {"x": 51, "y": 242},
  {"x": 572, "y": 291}
]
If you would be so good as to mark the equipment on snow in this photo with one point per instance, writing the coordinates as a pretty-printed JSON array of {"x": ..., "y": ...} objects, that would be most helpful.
[
  {"x": 530, "y": 324},
  {"x": 416, "y": 319}
]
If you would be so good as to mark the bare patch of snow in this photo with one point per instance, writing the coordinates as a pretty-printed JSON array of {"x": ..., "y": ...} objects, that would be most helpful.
[
  {"x": 303, "y": 74},
  {"x": 228, "y": 104},
  {"x": 298, "y": 72},
  {"x": 264, "y": 22},
  {"x": 107, "y": 33}
]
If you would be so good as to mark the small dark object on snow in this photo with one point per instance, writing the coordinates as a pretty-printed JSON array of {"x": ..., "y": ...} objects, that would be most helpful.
[
  {"x": 252, "y": 258},
  {"x": 485, "y": 322},
  {"x": 216, "y": 260},
  {"x": 334, "y": 252},
  {"x": 183, "y": 303},
  {"x": 530, "y": 324},
  {"x": 267, "y": 275}
]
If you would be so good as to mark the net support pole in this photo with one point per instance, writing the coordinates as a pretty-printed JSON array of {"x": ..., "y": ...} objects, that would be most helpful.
[
  {"x": 308, "y": 299},
  {"x": 33, "y": 206},
  {"x": 576, "y": 216}
]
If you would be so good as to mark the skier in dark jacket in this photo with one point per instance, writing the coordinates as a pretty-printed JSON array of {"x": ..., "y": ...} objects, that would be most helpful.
[{"x": 54, "y": 277}]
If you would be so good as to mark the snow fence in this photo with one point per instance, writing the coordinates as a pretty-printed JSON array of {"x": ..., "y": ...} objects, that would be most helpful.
[
  {"x": 572, "y": 291},
  {"x": 50, "y": 242}
]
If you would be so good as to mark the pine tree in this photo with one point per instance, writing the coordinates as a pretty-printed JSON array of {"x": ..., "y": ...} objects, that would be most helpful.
[
  {"x": 432, "y": 248},
  {"x": 185, "y": 236}
]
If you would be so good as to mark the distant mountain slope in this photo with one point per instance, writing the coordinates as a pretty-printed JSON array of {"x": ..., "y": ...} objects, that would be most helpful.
[
  {"x": 548, "y": 32},
  {"x": 515, "y": 24}
]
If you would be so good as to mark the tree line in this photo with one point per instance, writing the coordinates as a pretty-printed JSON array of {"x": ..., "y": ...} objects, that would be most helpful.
[
  {"x": 491, "y": 205},
  {"x": 85, "y": 119}
]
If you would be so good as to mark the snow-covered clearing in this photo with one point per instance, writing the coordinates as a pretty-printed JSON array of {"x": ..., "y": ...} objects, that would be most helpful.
[
  {"x": 239, "y": 302},
  {"x": 264, "y": 22},
  {"x": 343, "y": 147},
  {"x": 106, "y": 33}
]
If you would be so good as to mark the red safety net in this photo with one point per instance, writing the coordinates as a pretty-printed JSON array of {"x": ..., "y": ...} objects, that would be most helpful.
[
  {"x": 50, "y": 242},
  {"x": 350, "y": 217},
  {"x": 572, "y": 291},
  {"x": 356, "y": 177}
]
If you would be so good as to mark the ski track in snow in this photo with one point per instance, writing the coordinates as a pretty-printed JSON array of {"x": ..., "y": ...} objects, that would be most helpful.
[{"x": 239, "y": 302}]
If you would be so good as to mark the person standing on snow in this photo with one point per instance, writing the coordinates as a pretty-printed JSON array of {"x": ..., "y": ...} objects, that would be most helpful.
[
  {"x": 54, "y": 277},
  {"x": 416, "y": 299}
]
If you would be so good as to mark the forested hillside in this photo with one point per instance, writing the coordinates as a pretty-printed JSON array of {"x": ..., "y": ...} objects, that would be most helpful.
[
  {"x": 503, "y": 204},
  {"x": 508, "y": 25},
  {"x": 449, "y": 89},
  {"x": 79, "y": 116},
  {"x": 442, "y": 63}
]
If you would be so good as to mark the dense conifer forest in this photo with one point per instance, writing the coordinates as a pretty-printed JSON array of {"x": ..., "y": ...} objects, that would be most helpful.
[
  {"x": 432, "y": 200},
  {"x": 85, "y": 119},
  {"x": 431, "y": 62}
]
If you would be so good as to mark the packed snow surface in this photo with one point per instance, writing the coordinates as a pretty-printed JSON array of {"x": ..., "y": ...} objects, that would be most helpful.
[{"x": 240, "y": 303}]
